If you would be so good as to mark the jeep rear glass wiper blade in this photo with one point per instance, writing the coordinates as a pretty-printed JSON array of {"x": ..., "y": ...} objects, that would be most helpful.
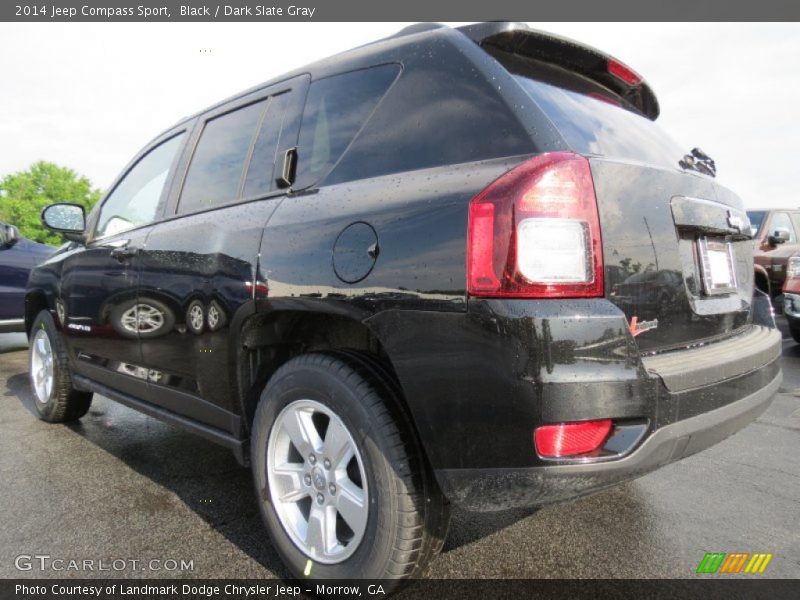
[{"x": 699, "y": 161}]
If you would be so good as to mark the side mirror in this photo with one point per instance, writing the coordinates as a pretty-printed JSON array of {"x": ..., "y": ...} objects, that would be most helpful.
[
  {"x": 66, "y": 219},
  {"x": 781, "y": 236},
  {"x": 9, "y": 235}
]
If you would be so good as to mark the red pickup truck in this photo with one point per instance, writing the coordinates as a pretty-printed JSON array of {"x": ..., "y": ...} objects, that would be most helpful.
[{"x": 775, "y": 232}]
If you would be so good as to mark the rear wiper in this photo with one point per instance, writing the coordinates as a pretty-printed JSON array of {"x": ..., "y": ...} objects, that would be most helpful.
[{"x": 699, "y": 161}]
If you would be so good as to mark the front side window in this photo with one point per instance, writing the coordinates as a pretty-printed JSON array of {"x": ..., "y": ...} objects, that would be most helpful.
[
  {"x": 215, "y": 173},
  {"x": 781, "y": 220},
  {"x": 135, "y": 200}
]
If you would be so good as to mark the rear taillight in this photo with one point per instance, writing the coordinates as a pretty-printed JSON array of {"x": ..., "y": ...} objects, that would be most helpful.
[
  {"x": 535, "y": 232},
  {"x": 571, "y": 439}
]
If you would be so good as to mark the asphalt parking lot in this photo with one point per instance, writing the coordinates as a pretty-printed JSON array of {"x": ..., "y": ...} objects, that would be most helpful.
[{"x": 119, "y": 485}]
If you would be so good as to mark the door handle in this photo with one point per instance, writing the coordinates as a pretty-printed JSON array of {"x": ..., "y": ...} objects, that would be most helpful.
[
  {"x": 124, "y": 253},
  {"x": 286, "y": 177}
]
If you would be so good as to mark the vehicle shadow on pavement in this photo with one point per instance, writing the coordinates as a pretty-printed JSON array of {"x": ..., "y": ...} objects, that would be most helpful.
[
  {"x": 208, "y": 480},
  {"x": 205, "y": 477},
  {"x": 12, "y": 342},
  {"x": 19, "y": 386},
  {"x": 468, "y": 527}
]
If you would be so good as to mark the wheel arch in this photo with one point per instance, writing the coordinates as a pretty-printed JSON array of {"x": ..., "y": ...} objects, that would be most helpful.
[
  {"x": 761, "y": 279},
  {"x": 35, "y": 302},
  {"x": 267, "y": 340}
]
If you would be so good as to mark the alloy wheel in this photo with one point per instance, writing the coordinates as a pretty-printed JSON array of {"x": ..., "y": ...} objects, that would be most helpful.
[
  {"x": 142, "y": 318},
  {"x": 42, "y": 366},
  {"x": 317, "y": 482}
]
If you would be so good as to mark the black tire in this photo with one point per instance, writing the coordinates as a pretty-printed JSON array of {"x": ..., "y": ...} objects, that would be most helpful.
[
  {"x": 407, "y": 516},
  {"x": 64, "y": 403},
  {"x": 195, "y": 328},
  {"x": 794, "y": 328},
  {"x": 167, "y": 316},
  {"x": 215, "y": 316}
]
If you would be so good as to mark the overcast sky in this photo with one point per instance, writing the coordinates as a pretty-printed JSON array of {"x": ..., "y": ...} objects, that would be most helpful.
[{"x": 88, "y": 96}]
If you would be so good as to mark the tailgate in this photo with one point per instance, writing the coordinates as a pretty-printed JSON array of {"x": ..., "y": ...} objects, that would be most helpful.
[
  {"x": 676, "y": 245},
  {"x": 673, "y": 260}
]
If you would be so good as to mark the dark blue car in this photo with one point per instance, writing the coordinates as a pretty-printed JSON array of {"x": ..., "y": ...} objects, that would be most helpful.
[{"x": 17, "y": 257}]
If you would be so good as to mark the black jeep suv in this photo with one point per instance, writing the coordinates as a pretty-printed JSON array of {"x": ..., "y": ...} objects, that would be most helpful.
[{"x": 455, "y": 266}]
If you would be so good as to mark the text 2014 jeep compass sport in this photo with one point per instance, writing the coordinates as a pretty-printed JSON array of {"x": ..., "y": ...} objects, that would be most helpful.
[{"x": 453, "y": 266}]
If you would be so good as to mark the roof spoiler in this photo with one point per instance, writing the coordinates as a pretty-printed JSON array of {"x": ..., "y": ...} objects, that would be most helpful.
[{"x": 520, "y": 39}]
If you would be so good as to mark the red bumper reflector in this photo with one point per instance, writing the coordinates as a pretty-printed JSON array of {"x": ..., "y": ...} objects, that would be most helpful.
[{"x": 571, "y": 439}]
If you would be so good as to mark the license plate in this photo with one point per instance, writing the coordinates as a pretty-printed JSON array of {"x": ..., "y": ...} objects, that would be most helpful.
[{"x": 716, "y": 265}]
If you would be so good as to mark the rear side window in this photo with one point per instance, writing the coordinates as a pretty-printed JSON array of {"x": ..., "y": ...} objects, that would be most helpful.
[
  {"x": 260, "y": 178},
  {"x": 215, "y": 173},
  {"x": 592, "y": 120},
  {"x": 335, "y": 110}
]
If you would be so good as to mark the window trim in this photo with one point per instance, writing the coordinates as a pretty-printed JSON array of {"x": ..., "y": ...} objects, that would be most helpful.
[{"x": 163, "y": 200}]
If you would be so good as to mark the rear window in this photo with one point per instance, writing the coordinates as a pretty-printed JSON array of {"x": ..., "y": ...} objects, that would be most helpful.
[{"x": 592, "y": 120}]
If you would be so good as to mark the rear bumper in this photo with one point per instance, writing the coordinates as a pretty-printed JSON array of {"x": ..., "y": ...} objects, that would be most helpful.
[
  {"x": 479, "y": 383},
  {"x": 496, "y": 489}
]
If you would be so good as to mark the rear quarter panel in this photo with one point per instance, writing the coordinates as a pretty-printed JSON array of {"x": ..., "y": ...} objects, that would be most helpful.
[{"x": 420, "y": 219}]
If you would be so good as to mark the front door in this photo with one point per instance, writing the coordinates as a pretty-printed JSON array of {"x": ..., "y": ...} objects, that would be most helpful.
[{"x": 101, "y": 314}]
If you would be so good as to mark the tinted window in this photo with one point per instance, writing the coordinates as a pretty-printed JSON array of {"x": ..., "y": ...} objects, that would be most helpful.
[
  {"x": 756, "y": 219},
  {"x": 781, "y": 220},
  {"x": 592, "y": 123},
  {"x": 440, "y": 111},
  {"x": 135, "y": 200},
  {"x": 260, "y": 178},
  {"x": 335, "y": 110},
  {"x": 215, "y": 173}
]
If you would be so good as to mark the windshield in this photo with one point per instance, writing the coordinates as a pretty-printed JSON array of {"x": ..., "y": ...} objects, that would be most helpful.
[{"x": 756, "y": 219}]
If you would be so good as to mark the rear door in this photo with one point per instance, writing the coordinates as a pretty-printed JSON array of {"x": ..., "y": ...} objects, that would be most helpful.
[
  {"x": 204, "y": 255},
  {"x": 676, "y": 246}
]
